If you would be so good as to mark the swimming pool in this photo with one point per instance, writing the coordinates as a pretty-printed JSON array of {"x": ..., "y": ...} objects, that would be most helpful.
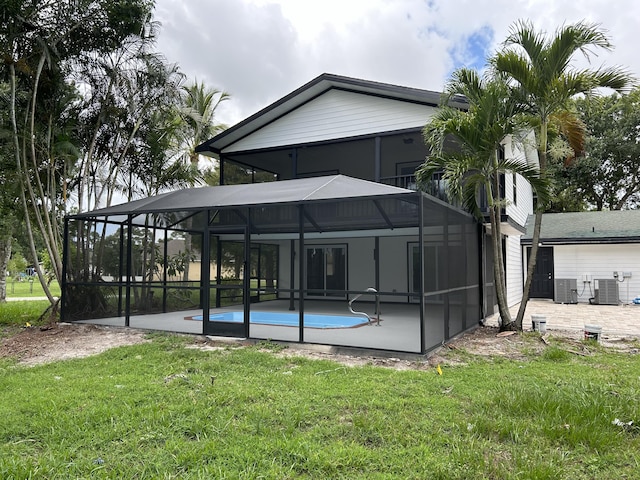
[{"x": 288, "y": 319}]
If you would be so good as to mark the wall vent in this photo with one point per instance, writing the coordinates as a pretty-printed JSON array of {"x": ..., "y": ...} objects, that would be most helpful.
[
  {"x": 566, "y": 290},
  {"x": 606, "y": 292}
]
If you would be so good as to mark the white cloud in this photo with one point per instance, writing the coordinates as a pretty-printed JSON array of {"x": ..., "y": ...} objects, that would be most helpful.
[{"x": 260, "y": 50}]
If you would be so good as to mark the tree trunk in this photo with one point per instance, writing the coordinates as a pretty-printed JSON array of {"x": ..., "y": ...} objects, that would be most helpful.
[
  {"x": 5, "y": 255},
  {"x": 530, "y": 269},
  {"x": 498, "y": 269},
  {"x": 187, "y": 251},
  {"x": 535, "y": 240}
]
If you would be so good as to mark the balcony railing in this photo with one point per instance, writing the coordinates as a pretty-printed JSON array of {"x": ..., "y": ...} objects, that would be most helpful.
[{"x": 435, "y": 188}]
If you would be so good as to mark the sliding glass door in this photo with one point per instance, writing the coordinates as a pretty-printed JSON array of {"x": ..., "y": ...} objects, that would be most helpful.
[{"x": 326, "y": 271}]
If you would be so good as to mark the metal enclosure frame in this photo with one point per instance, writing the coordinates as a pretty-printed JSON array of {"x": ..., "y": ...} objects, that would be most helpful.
[{"x": 335, "y": 207}]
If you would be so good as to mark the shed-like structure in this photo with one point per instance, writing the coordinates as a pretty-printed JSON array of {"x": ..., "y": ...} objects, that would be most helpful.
[
  {"x": 253, "y": 255},
  {"x": 581, "y": 253}
]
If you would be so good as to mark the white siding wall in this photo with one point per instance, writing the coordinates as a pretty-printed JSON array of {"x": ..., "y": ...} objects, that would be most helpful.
[
  {"x": 337, "y": 114},
  {"x": 515, "y": 283},
  {"x": 519, "y": 209},
  {"x": 599, "y": 261}
]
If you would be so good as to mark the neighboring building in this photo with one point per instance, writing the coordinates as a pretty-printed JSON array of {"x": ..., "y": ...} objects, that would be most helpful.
[
  {"x": 333, "y": 214},
  {"x": 587, "y": 256}
]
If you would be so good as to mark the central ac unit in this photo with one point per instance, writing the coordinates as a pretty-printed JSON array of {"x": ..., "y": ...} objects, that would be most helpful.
[
  {"x": 607, "y": 291},
  {"x": 566, "y": 290}
]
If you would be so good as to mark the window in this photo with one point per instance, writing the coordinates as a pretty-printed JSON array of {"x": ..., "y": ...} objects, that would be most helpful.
[{"x": 514, "y": 180}]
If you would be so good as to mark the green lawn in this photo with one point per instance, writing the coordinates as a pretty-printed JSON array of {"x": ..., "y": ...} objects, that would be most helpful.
[
  {"x": 22, "y": 312},
  {"x": 160, "y": 410},
  {"x": 28, "y": 289}
]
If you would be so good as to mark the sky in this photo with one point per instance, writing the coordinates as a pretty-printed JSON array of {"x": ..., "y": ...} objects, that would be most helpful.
[{"x": 260, "y": 50}]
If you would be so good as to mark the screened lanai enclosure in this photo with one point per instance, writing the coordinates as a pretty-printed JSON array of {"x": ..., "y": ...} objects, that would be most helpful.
[{"x": 328, "y": 260}]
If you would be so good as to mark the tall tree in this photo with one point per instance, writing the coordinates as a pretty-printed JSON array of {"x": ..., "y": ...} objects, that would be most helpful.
[
  {"x": 475, "y": 166},
  {"x": 8, "y": 192},
  {"x": 544, "y": 80},
  {"x": 198, "y": 110},
  {"x": 607, "y": 175},
  {"x": 40, "y": 43}
]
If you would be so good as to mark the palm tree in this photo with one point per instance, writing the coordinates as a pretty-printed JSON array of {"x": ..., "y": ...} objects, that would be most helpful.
[
  {"x": 540, "y": 72},
  {"x": 199, "y": 111},
  {"x": 476, "y": 165}
]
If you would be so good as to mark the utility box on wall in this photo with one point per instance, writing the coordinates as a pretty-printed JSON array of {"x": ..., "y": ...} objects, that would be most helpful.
[{"x": 565, "y": 290}]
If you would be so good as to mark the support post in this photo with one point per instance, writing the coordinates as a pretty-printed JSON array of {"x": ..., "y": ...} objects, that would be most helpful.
[
  {"x": 292, "y": 274},
  {"x": 218, "y": 271},
  {"x": 205, "y": 275},
  {"x": 120, "y": 269},
  {"x": 421, "y": 258},
  {"x": 246, "y": 284},
  {"x": 376, "y": 262},
  {"x": 127, "y": 303},
  {"x": 164, "y": 273},
  {"x": 378, "y": 160},
  {"x": 294, "y": 163},
  {"x": 65, "y": 259},
  {"x": 301, "y": 274}
]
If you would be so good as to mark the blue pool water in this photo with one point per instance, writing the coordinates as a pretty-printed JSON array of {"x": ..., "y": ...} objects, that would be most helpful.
[{"x": 287, "y": 319}]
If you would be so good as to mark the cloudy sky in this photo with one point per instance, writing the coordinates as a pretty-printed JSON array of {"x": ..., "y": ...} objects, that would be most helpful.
[{"x": 261, "y": 50}]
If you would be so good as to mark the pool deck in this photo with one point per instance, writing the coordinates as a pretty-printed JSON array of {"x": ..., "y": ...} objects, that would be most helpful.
[{"x": 399, "y": 328}]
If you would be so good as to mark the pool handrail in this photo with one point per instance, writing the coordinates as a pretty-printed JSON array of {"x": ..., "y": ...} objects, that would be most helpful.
[{"x": 371, "y": 320}]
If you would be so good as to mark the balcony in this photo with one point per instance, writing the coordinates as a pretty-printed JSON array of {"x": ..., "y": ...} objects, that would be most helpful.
[{"x": 436, "y": 187}]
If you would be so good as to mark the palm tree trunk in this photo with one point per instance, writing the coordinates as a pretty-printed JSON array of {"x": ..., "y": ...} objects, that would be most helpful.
[
  {"x": 531, "y": 265},
  {"x": 537, "y": 226},
  {"x": 498, "y": 269}
]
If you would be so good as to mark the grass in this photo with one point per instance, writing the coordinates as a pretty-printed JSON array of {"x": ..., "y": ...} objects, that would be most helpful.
[
  {"x": 160, "y": 410},
  {"x": 22, "y": 311},
  {"x": 27, "y": 289}
]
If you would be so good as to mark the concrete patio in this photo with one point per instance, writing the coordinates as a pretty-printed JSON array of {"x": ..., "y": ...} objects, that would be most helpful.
[{"x": 616, "y": 320}]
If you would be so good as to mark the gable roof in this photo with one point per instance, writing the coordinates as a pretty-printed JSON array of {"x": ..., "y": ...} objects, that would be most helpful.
[
  {"x": 618, "y": 226},
  {"x": 333, "y": 187},
  {"x": 313, "y": 89}
]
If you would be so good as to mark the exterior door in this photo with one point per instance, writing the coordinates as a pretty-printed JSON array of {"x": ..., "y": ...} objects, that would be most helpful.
[
  {"x": 327, "y": 270},
  {"x": 542, "y": 282}
]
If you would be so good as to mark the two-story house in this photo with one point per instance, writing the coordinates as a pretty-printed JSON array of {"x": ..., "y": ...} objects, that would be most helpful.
[{"x": 334, "y": 215}]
